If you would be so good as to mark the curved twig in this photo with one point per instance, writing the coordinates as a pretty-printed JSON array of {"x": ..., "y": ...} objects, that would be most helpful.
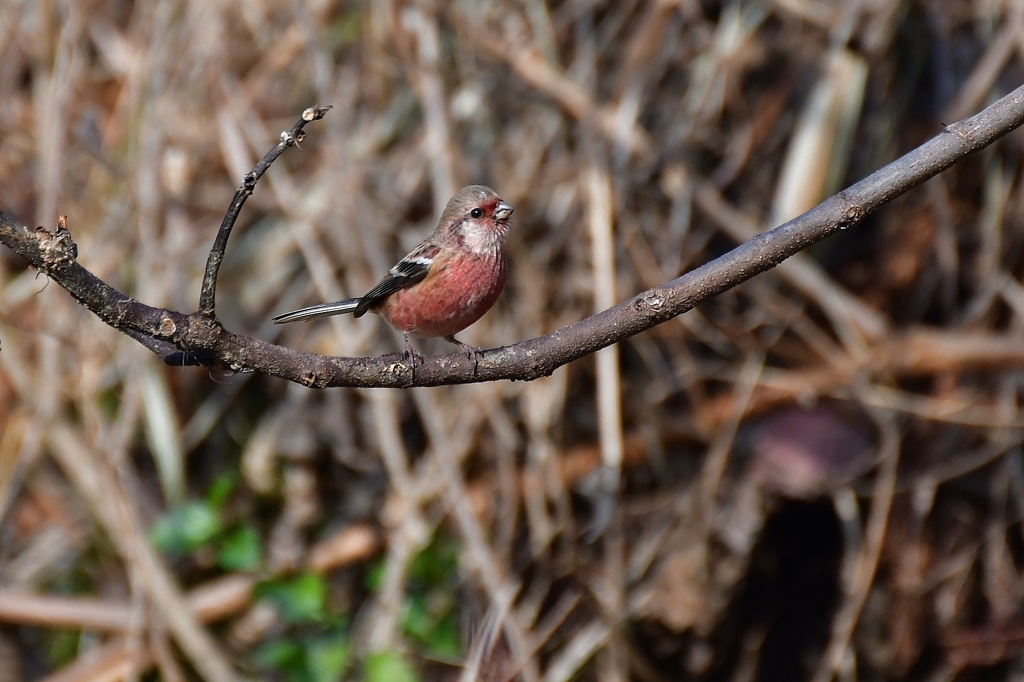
[
  {"x": 200, "y": 339},
  {"x": 289, "y": 138}
]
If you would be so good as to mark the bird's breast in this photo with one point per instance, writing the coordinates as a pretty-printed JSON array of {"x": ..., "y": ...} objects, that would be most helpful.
[{"x": 451, "y": 298}]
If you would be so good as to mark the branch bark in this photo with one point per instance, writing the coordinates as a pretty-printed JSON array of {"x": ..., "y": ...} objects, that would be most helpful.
[{"x": 199, "y": 338}]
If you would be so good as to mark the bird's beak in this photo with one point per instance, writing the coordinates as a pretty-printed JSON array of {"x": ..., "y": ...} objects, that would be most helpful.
[{"x": 503, "y": 211}]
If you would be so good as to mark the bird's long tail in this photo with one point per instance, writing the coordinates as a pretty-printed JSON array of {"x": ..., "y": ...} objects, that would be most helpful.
[{"x": 314, "y": 312}]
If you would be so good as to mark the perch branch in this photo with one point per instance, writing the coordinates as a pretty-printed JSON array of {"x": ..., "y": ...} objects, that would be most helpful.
[{"x": 200, "y": 339}]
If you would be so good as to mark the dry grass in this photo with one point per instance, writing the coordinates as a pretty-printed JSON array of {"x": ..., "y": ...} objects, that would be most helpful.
[{"x": 819, "y": 473}]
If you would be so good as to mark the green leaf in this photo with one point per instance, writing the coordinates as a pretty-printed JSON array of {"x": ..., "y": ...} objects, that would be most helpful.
[
  {"x": 437, "y": 563},
  {"x": 240, "y": 550},
  {"x": 286, "y": 655},
  {"x": 375, "y": 576},
  {"x": 64, "y": 647},
  {"x": 109, "y": 401},
  {"x": 221, "y": 489},
  {"x": 298, "y": 600},
  {"x": 389, "y": 667},
  {"x": 281, "y": 653},
  {"x": 430, "y": 619},
  {"x": 327, "y": 658},
  {"x": 444, "y": 641},
  {"x": 419, "y": 622},
  {"x": 185, "y": 528},
  {"x": 322, "y": 659}
]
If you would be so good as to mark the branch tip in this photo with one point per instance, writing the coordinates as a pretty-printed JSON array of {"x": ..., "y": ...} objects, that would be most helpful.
[{"x": 315, "y": 112}]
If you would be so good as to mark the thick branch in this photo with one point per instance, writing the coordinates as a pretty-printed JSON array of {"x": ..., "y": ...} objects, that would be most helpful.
[{"x": 200, "y": 337}]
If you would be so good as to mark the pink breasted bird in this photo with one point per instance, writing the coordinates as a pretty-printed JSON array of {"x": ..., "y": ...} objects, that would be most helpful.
[{"x": 447, "y": 282}]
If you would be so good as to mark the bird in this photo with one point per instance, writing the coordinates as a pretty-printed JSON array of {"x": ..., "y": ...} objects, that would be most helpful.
[{"x": 443, "y": 285}]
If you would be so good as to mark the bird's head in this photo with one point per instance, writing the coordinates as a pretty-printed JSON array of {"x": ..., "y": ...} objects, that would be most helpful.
[{"x": 478, "y": 217}]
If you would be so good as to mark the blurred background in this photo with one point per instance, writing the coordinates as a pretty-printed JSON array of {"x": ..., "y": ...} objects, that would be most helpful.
[{"x": 818, "y": 474}]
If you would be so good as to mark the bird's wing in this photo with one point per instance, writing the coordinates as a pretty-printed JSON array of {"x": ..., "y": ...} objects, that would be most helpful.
[{"x": 408, "y": 271}]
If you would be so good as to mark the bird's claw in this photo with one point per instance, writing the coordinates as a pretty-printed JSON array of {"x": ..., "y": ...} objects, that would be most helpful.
[
  {"x": 410, "y": 354},
  {"x": 472, "y": 352}
]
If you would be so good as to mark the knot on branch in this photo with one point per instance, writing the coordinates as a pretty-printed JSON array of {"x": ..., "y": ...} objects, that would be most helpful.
[
  {"x": 852, "y": 214},
  {"x": 167, "y": 327},
  {"x": 963, "y": 131},
  {"x": 249, "y": 180},
  {"x": 653, "y": 301},
  {"x": 56, "y": 248},
  {"x": 401, "y": 369}
]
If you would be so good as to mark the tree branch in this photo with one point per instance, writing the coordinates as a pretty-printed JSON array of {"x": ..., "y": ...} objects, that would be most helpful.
[
  {"x": 200, "y": 339},
  {"x": 289, "y": 138}
]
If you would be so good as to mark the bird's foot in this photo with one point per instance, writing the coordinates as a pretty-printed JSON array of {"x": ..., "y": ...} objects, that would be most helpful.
[
  {"x": 411, "y": 355},
  {"x": 472, "y": 352}
]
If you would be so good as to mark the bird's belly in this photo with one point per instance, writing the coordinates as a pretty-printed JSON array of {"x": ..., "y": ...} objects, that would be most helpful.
[{"x": 448, "y": 302}]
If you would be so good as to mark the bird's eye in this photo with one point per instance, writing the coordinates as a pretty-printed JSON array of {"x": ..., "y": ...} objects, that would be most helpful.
[{"x": 476, "y": 213}]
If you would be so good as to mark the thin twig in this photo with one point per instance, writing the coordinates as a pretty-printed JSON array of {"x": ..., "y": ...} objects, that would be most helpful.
[
  {"x": 107, "y": 662},
  {"x": 570, "y": 658},
  {"x": 598, "y": 190},
  {"x": 916, "y": 352},
  {"x": 68, "y": 612},
  {"x": 289, "y": 138},
  {"x": 531, "y": 66},
  {"x": 867, "y": 561}
]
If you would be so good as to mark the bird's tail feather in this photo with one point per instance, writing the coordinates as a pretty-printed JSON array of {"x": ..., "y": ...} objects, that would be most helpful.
[{"x": 314, "y": 312}]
